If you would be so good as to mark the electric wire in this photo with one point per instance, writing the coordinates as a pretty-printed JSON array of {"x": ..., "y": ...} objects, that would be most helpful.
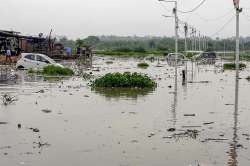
[
  {"x": 194, "y": 9},
  {"x": 223, "y": 27},
  {"x": 217, "y": 18}
]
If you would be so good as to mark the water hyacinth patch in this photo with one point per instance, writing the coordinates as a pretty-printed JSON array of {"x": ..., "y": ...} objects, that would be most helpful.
[
  {"x": 143, "y": 65},
  {"x": 232, "y": 66},
  {"x": 125, "y": 80}
]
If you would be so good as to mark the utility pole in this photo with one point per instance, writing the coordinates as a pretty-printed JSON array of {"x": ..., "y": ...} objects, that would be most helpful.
[
  {"x": 176, "y": 36},
  {"x": 203, "y": 43},
  {"x": 195, "y": 40},
  {"x": 176, "y": 23},
  {"x": 237, "y": 58},
  {"x": 224, "y": 49},
  {"x": 186, "y": 32},
  {"x": 176, "y": 40},
  {"x": 199, "y": 41}
]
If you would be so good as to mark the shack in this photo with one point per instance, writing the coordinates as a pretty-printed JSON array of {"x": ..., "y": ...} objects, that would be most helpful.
[{"x": 15, "y": 41}]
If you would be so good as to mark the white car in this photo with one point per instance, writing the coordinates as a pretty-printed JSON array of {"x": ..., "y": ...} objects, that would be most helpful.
[
  {"x": 35, "y": 61},
  {"x": 171, "y": 57}
]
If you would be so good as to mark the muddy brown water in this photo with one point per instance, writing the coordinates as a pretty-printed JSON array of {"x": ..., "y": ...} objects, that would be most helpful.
[{"x": 193, "y": 124}]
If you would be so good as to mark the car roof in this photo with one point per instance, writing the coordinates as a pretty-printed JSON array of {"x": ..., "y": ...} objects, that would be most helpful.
[{"x": 24, "y": 54}]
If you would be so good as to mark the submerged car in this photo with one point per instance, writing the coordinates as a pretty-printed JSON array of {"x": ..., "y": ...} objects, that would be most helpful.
[
  {"x": 172, "y": 57},
  {"x": 35, "y": 61},
  {"x": 205, "y": 55},
  {"x": 205, "y": 58}
]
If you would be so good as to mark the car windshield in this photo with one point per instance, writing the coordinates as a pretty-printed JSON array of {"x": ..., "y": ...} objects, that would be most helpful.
[
  {"x": 49, "y": 59},
  {"x": 30, "y": 57}
]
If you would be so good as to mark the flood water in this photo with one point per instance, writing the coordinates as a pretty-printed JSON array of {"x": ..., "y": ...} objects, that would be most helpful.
[{"x": 176, "y": 124}]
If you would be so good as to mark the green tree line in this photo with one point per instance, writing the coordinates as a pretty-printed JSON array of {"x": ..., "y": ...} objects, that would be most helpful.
[{"x": 143, "y": 44}]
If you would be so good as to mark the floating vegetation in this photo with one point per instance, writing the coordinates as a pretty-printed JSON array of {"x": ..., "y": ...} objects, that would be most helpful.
[
  {"x": 143, "y": 65},
  {"x": 232, "y": 66},
  {"x": 87, "y": 76},
  {"x": 32, "y": 71},
  {"x": 52, "y": 70},
  {"x": 7, "y": 99},
  {"x": 109, "y": 62},
  {"x": 125, "y": 80},
  {"x": 132, "y": 93},
  {"x": 56, "y": 70}
]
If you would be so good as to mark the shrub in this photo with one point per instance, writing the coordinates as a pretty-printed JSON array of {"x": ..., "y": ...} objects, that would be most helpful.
[
  {"x": 232, "y": 66},
  {"x": 125, "y": 80},
  {"x": 143, "y": 65}
]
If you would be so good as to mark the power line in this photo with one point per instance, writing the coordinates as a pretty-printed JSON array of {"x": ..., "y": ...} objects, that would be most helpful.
[
  {"x": 194, "y": 9},
  {"x": 223, "y": 27},
  {"x": 217, "y": 18},
  {"x": 246, "y": 16},
  {"x": 170, "y": 10}
]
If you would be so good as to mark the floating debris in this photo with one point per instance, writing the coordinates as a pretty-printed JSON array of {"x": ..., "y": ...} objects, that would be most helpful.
[
  {"x": 208, "y": 123},
  {"x": 171, "y": 129},
  {"x": 191, "y": 126},
  {"x": 5, "y": 147},
  {"x": 216, "y": 139},
  {"x": 7, "y": 99},
  {"x": 46, "y": 111},
  {"x": 201, "y": 82},
  {"x": 134, "y": 141},
  {"x": 189, "y": 114},
  {"x": 35, "y": 130},
  {"x": 151, "y": 135},
  {"x": 41, "y": 91}
]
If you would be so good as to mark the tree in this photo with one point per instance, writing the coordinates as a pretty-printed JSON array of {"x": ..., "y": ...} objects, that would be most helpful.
[
  {"x": 91, "y": 40},
  {"x": 80, "y": 43}
]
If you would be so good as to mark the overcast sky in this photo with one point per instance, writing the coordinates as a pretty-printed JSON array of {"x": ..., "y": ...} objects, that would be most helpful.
[{"x": 81, "y": 18}]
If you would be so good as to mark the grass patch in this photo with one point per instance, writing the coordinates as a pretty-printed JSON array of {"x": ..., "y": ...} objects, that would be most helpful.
[
  {"x": 52, "y": 70},
  {"x": 125, "y": 80},
  {"x": 143, "y": 65},
  {"x": 232, "y": 66}
]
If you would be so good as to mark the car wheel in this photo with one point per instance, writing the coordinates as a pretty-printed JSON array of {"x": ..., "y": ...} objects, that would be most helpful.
[{"x": 20, "y": 67}]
